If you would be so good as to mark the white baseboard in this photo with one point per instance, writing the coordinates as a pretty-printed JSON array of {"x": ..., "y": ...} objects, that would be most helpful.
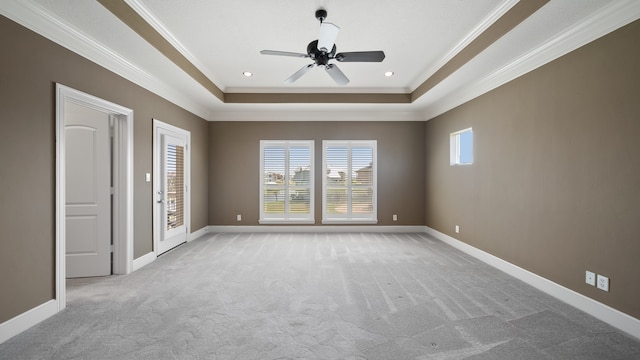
[
  {"x": 22, "y": 322},
  {"x": 143, "y": 260},
  {"x": 27, "y": 319},
  {"x": 196, "y": 234},
  {"x": 603, "y": 312},
  {"x": 316, "y": 229}
]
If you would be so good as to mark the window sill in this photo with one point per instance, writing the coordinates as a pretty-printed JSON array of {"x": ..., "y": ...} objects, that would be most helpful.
[
  {"x": 349, "y": 221},
  {"x": 285, "y": 222}
]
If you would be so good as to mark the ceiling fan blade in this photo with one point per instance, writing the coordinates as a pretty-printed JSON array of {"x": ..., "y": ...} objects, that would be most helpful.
[
  {"x": 327, "y": 36},
  {"x": 299, "y": 74},
  {"x": 338, "y": 76},
  {"x": 283, "y": 53},
  {"x": 360, "y": 56}
]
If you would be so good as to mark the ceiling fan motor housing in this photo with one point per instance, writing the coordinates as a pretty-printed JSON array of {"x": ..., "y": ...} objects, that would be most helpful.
[
  {"x": 320, "y": 57},
  {"x": 321, "y": 14}
]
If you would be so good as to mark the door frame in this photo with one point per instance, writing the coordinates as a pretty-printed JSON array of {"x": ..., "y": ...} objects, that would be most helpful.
[
  {"x": 122, "y": 178},
  {"x": 157, "y": 221}
]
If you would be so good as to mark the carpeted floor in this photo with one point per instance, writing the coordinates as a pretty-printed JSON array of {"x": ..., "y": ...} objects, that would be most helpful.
[{"x": 316, "y": 296}]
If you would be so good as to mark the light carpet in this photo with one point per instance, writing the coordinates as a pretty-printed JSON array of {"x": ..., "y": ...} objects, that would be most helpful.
[{"x": 316, "y": 296}]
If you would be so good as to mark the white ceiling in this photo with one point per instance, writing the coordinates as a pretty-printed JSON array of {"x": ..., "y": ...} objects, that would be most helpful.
[{"x": 223, "y": 38}]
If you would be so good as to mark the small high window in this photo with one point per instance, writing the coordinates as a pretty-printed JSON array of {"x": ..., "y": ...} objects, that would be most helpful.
[{"x": 461, "y": 147}]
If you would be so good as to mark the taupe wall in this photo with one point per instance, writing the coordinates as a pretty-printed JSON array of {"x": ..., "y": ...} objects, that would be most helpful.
[
  {"x": 555, "y": 187},
  {"x": 29, "y": 68},
  {"x": 234, "y": 167}
]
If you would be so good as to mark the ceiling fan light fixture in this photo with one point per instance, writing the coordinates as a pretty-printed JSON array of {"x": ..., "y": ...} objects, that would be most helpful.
[
  {"x": 389, "y": 73},
  {"x": 322, "y": 50}
]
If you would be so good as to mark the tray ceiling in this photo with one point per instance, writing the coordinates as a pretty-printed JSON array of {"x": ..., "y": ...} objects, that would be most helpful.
[{"x": 442, "y": 52}]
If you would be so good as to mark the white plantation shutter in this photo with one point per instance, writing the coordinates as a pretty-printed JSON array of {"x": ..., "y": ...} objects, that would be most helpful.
[
  {"x": 273, "y": 179},
  {"x": 286, "y": 184},
  {"x": 349, "y": 181}
]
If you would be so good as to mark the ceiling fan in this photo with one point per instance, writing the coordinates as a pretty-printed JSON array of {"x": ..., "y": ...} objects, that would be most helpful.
[{"x": 323, "y": 50}]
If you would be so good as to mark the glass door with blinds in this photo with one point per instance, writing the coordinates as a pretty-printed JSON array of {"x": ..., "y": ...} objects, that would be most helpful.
[{"x": 171, "y": 188}]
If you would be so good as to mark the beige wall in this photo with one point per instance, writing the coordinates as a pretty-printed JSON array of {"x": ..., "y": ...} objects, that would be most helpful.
[
  {"x": 29, "y": 68},
  {"x": 234, "y": 167},
  {"x": 555, "y": 187}
]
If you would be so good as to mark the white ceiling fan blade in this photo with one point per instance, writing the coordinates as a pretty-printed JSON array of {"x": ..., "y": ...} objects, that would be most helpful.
[
  {"x": 283, "y": 53},
  {"x": 299, "y": 74},
  {"x": 338, "y": 76},
  {"x": 327, "y": 36}
]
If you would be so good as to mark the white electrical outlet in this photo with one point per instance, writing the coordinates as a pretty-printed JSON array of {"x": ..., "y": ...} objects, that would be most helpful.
[
  {"x": 603, "y": 283},
  {"x": 395, "y": 217},
  {"x": 238, "y": 217},
  {"x": 147, "y": 177},
  {"x": 457, "y": 229},
  {"x": 590, "y": 278}
]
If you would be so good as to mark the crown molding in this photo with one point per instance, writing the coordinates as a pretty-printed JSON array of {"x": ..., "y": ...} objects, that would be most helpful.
[
  {"x": 35, "y": 18},
  {"x": 496, "y": 14},
  {"x": 155, "y": 23},
  {"x": 316, "y": 98},
  {"x": 612, "y": 17},
  {"x": 307, "y": 115},
  {"x": 316, "y": 90}
]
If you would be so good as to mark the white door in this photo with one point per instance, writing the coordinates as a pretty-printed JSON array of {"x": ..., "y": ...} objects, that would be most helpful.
[
  {"x": 171, "y": 187},
  {"x": 88, "y": 191}
]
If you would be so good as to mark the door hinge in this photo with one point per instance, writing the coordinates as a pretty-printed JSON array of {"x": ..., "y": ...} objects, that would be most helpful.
[
  {"x": 112, "y": 247},
  {"x": 112, "y": 190}
]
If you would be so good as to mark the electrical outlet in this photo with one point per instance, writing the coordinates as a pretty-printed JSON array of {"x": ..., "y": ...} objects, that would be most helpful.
[
  {"x": 457, "y": 229},
  {"x": 603, "y": 283},
  {"x": 590, "y": 278},
  {"x": 238, "y": 217},
  {"x": 395, "y": 217}
]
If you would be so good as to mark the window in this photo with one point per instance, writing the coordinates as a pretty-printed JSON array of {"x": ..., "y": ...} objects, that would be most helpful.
[
  {"x": 286, "y": 183},
  {"x": 461, "y": 147},
  {"x": 349, "y": 182},
  {"x": 175, "y": 185}
]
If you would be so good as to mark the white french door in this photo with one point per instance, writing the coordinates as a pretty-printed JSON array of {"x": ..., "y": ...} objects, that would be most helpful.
[{"x": 171, "y": 186}]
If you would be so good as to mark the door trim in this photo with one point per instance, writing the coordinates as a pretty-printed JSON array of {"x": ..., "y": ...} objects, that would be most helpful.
[
  {"x": 157, "y": 124},
  {"x": 123, "y": 184}
]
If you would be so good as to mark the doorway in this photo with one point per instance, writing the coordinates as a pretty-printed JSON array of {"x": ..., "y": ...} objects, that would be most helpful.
[
  {"x": 118, "y": 122},
  {"x": 171, "y": 159}
]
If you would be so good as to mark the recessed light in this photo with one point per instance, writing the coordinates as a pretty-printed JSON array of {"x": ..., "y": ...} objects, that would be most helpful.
[
  {"x": 389, "y": 73},
  {"x": 247, "y": 73}
]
